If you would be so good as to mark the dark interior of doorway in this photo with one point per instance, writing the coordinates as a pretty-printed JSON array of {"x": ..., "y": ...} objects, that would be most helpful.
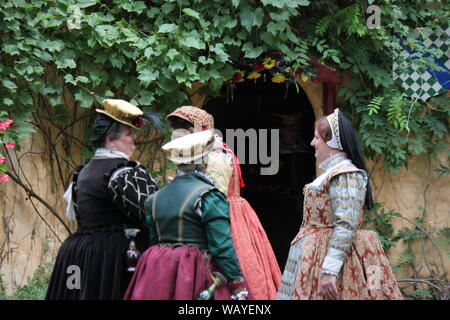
[{"x": 277, "y": 199}]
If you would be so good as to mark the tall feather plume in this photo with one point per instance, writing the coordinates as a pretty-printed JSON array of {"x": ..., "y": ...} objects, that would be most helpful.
[{"x": 153, "y": 119}]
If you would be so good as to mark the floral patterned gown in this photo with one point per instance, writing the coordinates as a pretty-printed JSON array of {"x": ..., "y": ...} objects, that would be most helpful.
[{"x": 330, "y": 241}]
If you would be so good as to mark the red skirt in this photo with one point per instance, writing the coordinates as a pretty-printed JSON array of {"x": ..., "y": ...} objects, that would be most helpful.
[
  {"x": 173, "y": 273},
  {"x": 253, "y": 249}
]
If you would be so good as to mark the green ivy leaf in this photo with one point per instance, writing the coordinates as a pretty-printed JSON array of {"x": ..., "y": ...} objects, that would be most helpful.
[
  {"x": 172, "y": 53},
  {"x": 66, "y": 63},
  {"x": 69, "y": 79},
  {"x": 251, "y": 17},
  {"x": 86, "y": 3},
  {"x": 42, "y": 55},
  {"x": 231, "y": 23},
  {"x": 192, "y": 42},
  {"x": 82, "y": 79},
  {"x": 109, "y": 94},
  {"x": 203, "y": 60},
  {"x": 230, "y": 41},
  {"x": 336, "y": 59},
  {"x": 251, "y": 52},
  {"x": 146, "y": 98},
  {"x": 9, "y": 84},
  {"x": 176, "y": 65},
  {"x": 11, "y": 49},
  {"x": 219, "y": 49},
  {"x": 8, "y": 101},
  {"x": 148, "y": 75},
  {"x": 276, "y": 27},
  {"x": 285, "y": 3},
  {"x": 152, "y": 12},
  {"x": 191, "y": 13},
  {"x": 167, "y": 28},
  {"x": 86, "y": 98}
]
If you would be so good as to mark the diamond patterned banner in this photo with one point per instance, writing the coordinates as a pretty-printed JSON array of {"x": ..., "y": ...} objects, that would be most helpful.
[{"x": 429, "y": 83}]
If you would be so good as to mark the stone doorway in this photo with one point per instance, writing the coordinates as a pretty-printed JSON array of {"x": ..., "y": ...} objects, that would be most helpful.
[{"x": 277, "y": 199}]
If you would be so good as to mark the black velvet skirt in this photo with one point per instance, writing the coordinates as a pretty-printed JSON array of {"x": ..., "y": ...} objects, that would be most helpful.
[{"x": 92, "y": 266}]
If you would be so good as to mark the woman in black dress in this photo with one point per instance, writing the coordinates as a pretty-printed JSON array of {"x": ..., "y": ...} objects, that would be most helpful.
[{"x": 107, "y": 199}]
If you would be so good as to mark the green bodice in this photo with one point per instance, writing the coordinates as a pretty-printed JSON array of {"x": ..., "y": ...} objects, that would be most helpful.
[
  {"x": 173, "y": 220},
  {"x": 172, "y": 210}
]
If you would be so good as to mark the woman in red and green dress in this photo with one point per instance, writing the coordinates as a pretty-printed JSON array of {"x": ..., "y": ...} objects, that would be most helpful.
[{"x": 189, "y": 223}]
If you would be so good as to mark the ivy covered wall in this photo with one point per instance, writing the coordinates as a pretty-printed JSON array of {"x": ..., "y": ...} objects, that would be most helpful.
[{"x": 60, "y": 58}]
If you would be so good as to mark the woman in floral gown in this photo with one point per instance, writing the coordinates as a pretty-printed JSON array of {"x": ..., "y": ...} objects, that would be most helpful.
[{"x": 331, "y": 257}]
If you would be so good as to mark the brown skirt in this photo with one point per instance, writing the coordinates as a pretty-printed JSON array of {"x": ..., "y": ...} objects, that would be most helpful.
[{"x": 365, "y": 273}]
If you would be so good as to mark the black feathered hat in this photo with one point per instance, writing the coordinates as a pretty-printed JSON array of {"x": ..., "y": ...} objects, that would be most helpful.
[{"x": 117, "y": 110}]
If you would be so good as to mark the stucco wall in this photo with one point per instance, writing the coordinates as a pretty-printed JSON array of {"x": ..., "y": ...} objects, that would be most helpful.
[
  {"x": 26, "y": 240},
  {"x": 410, "y": 192}
]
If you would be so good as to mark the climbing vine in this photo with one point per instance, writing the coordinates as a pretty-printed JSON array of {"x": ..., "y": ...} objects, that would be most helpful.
[
  {"x": 152, "y": 52},
  {"x": 416, "y": 286},
  {"x": 60, "y": 58}
]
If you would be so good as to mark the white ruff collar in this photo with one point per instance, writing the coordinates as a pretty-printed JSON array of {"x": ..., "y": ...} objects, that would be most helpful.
[
  {"x": 110, "y": 154},
  {"x": 329, "y": 165},
  {"x": 333, "y": 160}
]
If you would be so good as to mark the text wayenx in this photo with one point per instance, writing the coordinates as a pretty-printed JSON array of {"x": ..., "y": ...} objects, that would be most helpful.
[{"x": 249, "y": 309}]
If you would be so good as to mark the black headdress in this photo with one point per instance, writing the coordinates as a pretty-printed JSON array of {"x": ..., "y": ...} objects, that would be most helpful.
[
  {"x": 102, "y": 125},
  {"x": 351, "y": 146}
]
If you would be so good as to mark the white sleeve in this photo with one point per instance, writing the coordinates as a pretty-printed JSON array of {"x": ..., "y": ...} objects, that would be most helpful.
[{"x": 70, "y": 211}]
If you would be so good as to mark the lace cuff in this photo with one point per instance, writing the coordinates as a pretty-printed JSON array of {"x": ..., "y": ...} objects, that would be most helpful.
[{"x": 331, "y": 265}]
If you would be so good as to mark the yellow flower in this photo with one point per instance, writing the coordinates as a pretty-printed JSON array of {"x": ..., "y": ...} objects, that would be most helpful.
[
  {"x": 304, "y": 78},
  {"x": 269, "y": 63},
  {"x": 278, "y": 78},
  {"x": 254, "y": 75}
]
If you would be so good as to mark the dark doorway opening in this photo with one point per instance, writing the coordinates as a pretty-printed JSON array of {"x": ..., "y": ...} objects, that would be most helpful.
[{"x": 277, "y": 199}]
